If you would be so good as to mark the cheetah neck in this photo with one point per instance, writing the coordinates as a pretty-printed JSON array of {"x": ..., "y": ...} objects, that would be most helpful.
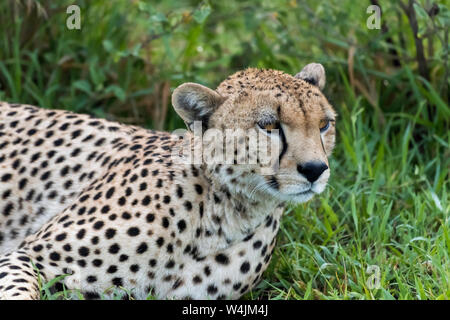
[{"x": 230, "y": 215}]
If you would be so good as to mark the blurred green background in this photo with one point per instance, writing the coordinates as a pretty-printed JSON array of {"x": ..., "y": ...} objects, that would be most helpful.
[{"x": 387, "y": 204}]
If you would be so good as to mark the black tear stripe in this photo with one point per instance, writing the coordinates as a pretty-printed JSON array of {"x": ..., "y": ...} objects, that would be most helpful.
[{"x": 284, "y": 142}]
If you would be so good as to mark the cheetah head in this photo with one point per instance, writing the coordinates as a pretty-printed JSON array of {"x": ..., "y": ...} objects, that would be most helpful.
[{"x": 290, "y": 110}]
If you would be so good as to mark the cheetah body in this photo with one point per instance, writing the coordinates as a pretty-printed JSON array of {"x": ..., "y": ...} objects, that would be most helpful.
[{"x": 105, "y": 205}]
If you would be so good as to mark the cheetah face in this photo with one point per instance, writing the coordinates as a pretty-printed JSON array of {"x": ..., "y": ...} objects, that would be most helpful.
[{"x": 290, "y": 112}]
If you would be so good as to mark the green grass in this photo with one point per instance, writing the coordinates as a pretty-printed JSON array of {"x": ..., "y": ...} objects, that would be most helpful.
[
  {"x": 387, "y": 203},
  {"x": 380, "y": 209}
]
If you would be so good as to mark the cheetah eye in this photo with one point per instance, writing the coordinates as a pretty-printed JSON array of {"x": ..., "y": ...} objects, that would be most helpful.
[
  {"x": 324, "y": 125},
  {"x": 268, "y": 126}
]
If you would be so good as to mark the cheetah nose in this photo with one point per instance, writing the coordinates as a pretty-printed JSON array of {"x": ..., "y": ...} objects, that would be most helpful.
[{"x": 312, "y": 170}]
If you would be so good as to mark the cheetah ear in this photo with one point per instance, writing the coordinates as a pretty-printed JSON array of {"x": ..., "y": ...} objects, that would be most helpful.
[
  {"x": 313, "y": 73},
  {"x": 194, "y": 102}
]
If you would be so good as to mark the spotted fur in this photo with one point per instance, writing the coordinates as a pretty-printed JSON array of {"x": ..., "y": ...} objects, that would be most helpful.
[{"x": 105, "y": 204}]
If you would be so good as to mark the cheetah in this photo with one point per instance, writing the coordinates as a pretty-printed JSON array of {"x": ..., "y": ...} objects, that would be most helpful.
[{"x": 106, "y": 206}]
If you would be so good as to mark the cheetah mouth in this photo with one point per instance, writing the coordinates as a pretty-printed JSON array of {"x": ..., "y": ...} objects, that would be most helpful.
[
  {"x": 293, "y": 190},
  {"x": 301, "y": 196},
  {"x": 302, "y": 193}
]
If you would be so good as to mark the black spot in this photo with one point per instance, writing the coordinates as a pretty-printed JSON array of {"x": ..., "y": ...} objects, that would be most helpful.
[
  {"x": 222, "y": 259},
  {"x": 83, "y": 251},
  {"x": 97, "y": 262},
  {"x": 200, "y": 209},
  {"x": 150, "y": 217},
  {"x": 247, "y": 238},
  {"x": 105, "y": 209},
  {"x": 110, "y": 233},
  {"x": 146, "y": 200},
  {"x": 117, "y": 282},
  {"x": 98, "y": 225},
  {"x": 91, "y": 295},
  {"x": 110, "y": 193},
  {"x": 188, "y": 205},
  {"x": 61, "y": 237},
  {"x": 58, "y": 142},
  {"x": 197, "y": 279},
  {"x": 216, "y": 198},
  {"x": 64, "y": 126},
  {"x": 45, "y": 175},
  {"x": 22, "y": 183},
  {"x": 142, "y": 248},
  {"x": 179, "y": 192},
  {"x": 160, "y": 242},
  {"x": 143, "y": 186},
  {"x": 198, "y": 188},
  {"x": 122, "y": 201},
  {"x": 112, "y": 269},
  {"x": 99, "y": 142},
  {"x": 75, "y": 152},
  {"x": 133, "y": 231},
  {"x": 258, "y": 267},
  {"x": 84, "y": 198},
  {"x": 134, "y": 268},
  {"x": 114, "y": 248},
  {"x": 212, "y": 289},
  {"x": 81, "y": 233},
  {"x": 177, "y": 283},
  {"x": 257, "y": 244},
  {"x": 244, "y": 288},
  {"x": 166, "y": 199},
  {"x": 269, "y": 221},
  {"x": 76, "y": 134},
  {"x": 55, "y": 256},
  {"x": 245, "y": 267},
  {"x": 181, "y": 225},
  {"x": 126, "y": 216},
  {"x": 165, "y": 222}
]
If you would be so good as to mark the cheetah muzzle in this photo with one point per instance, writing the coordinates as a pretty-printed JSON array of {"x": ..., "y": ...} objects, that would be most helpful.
[{"x": 108, "y": 206}]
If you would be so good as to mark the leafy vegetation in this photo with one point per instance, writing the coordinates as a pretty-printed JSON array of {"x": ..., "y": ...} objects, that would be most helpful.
[{"x": 387, "y": 204}]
